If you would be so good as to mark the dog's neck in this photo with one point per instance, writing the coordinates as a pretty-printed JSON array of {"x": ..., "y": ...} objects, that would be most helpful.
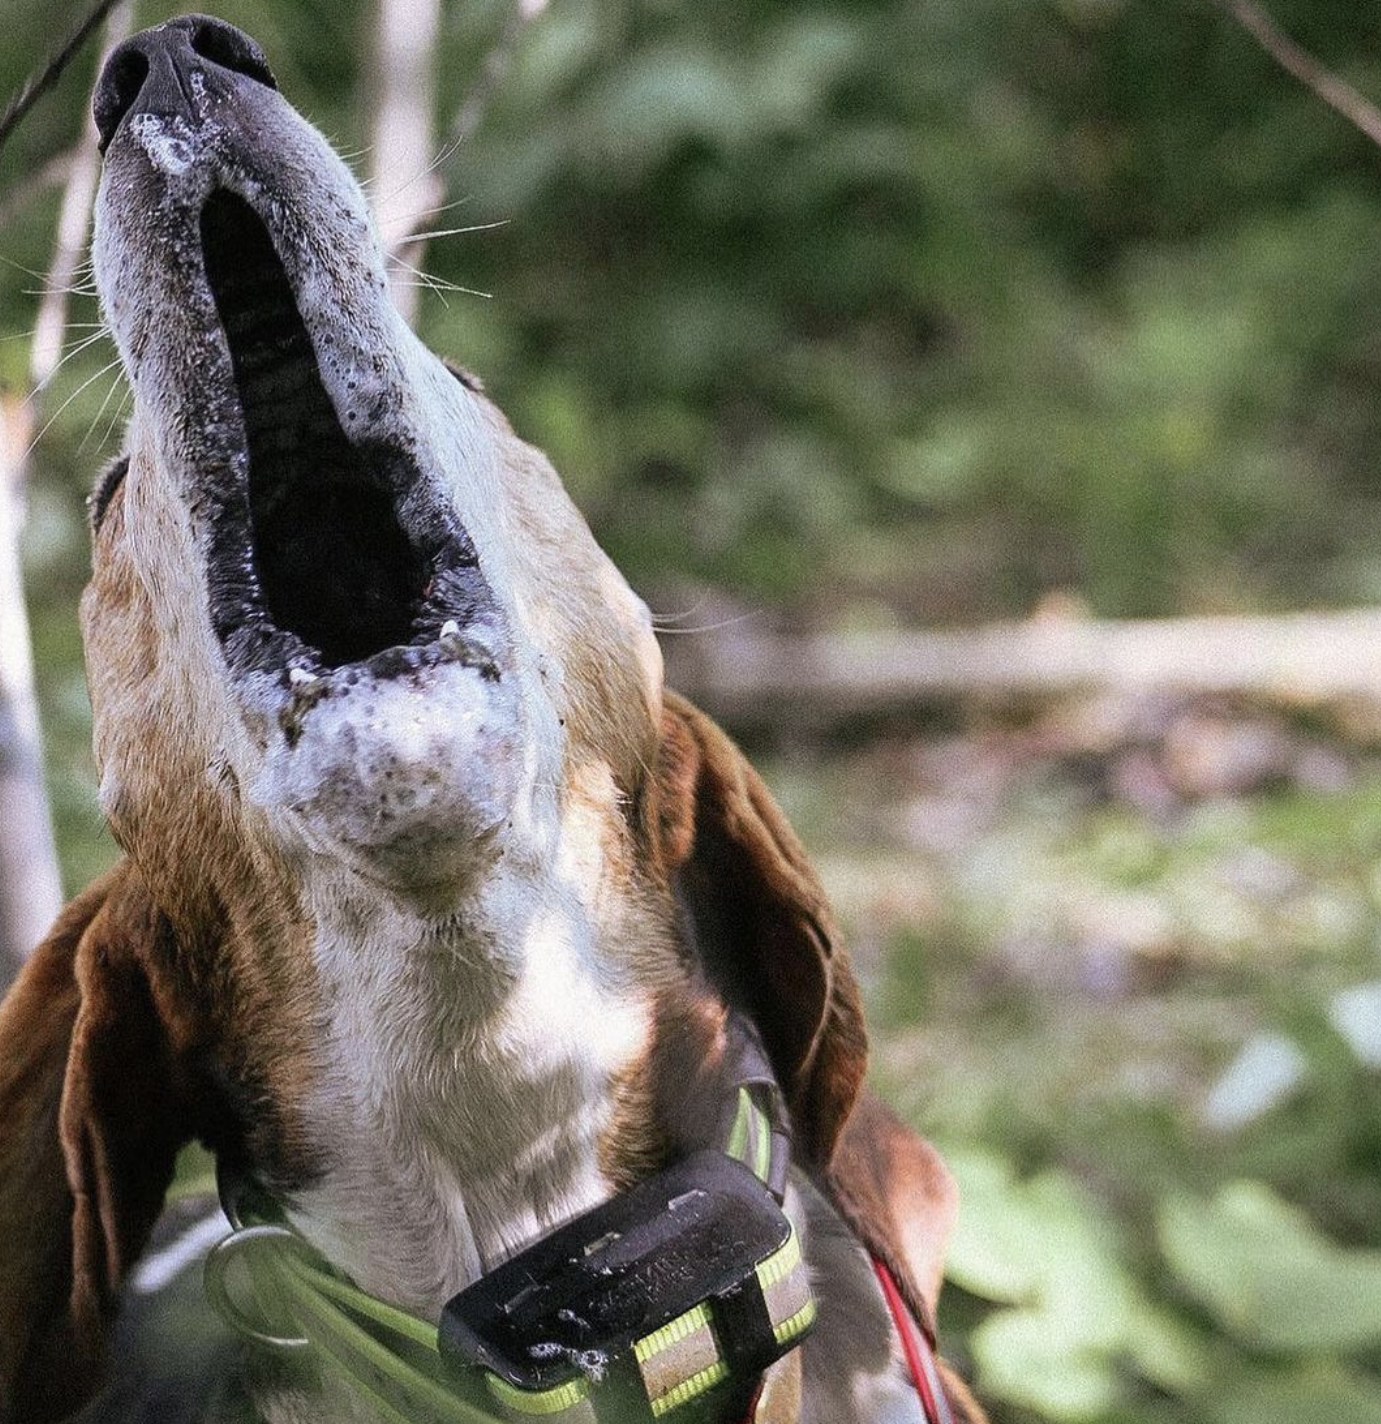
[{"x": 468, "y": 1077}]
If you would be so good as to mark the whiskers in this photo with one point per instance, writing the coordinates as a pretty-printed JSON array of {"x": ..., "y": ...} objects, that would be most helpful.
[
  {"x": 433, "y": 283},
  {"x": 82, "y": 285},
  {"x": 105, "y": 370},
  {"x": 82, "y": 338},
  {"x": 414, "y": 240},
  {"x": 72, "y": 326},
  {"x": 669, "y": 624},
  {"x": 118, "y": 383},
  {"x": 73, "y": 350},
  {"x": 456, "y": 231}
]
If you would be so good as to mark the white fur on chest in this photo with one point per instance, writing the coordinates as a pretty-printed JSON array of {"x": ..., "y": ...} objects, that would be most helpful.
[{"x": 467, "y": 1075}]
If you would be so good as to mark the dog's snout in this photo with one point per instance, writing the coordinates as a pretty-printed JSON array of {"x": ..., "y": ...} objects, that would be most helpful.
[{"x": 154, "y": 71}]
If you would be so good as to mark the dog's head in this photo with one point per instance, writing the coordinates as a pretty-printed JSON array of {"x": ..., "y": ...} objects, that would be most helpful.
[
  {"x": 344, "y": 627},
  {"x": 338, "y": 608}
]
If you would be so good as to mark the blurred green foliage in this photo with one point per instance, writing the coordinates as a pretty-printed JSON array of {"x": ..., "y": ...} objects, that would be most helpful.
[
  {"x": 1168, "y": 1144},
  {"x": 918, "y": 311}
]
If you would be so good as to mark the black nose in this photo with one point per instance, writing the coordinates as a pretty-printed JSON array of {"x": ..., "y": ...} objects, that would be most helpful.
[{"x": 152, "y": 72}]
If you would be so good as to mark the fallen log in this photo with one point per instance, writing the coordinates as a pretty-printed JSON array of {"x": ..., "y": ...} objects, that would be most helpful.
[{"x": 1302, "y": 659}]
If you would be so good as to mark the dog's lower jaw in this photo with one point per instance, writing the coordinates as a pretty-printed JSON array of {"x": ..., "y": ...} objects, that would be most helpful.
[{"x": 407, "y": 782}]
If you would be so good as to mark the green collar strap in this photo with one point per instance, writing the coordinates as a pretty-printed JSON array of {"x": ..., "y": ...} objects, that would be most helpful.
[
  {"x": 298, "y": 1304},
  {"x": 386, "y": 1356}
]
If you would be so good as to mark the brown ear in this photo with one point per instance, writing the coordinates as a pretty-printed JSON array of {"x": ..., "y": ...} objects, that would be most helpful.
[
  {"x": 894, "y": 1189},
  {"x": 90, "y": 1122},
  {"x": 762, "y": 924}
]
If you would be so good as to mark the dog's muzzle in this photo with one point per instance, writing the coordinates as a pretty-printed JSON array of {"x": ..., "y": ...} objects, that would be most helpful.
[{"x": 333, "y": 552}]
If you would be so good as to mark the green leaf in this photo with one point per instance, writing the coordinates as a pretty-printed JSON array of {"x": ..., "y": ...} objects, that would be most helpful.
[
  {"x": 1271, "y": 1278},
  {"x": 1021, "y": 1363},
  {"x": 1046, "y": 1248},
  {"x": 1318, "y": 1394}
]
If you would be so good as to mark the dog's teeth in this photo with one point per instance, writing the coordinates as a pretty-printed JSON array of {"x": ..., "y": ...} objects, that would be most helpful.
[
  {"x": 307, "y": 690},
  {"x": 450, "y": 629},
  {"x": 306, "y": 687},
  {"x": 469, "y": 652}
]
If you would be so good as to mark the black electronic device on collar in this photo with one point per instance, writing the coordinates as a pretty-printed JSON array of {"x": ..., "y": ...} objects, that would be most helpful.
[{"x": 685, "y": 1287}]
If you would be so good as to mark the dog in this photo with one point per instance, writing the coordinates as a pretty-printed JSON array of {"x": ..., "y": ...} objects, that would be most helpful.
[{"x": 440, "y": 921}]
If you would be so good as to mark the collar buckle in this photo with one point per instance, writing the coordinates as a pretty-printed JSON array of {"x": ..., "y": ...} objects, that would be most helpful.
[{"x": 240, "y": 1247}]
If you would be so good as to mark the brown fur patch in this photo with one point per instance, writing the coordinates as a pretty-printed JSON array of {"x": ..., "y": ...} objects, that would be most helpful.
[
  {"x": 967, "y": 1409},
  {"x": 893, "y": 1189},
  {"x": 94, "y": 1103},
  {"x": 605, "y": 668},
  {"x": 765, "y": 925},
  {"x": 239, "y": 943},
  {"x": 634, "y": 1145},
  {"x": 36, "y": 1022}
]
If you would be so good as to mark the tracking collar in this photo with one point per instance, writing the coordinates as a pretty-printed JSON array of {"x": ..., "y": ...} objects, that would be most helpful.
[{"x": 665, "y": 1303}]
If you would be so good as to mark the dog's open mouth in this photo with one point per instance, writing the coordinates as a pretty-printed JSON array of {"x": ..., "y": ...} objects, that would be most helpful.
[{"x": 330, "y": 549}]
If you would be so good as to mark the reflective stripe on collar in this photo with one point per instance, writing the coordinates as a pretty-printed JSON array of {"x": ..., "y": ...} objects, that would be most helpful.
[{"x": 920, "y": 1357}]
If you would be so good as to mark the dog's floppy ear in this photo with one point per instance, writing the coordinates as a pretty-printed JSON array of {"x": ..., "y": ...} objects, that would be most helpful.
[
  {"x": 91, "y": 1118},
  {"x": 761, "y": 921},
  {"x": 894, "y": 1189}
]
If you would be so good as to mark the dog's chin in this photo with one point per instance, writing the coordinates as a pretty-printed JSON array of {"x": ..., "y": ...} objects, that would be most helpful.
[{"x": 407, "y": 781}]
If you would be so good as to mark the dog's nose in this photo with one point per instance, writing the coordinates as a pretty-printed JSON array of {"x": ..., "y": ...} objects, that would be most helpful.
[{"x": 153, "y": 72}]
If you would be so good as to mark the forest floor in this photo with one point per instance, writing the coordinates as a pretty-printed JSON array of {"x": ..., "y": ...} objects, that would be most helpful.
[{"x": 1123, "y": 960}]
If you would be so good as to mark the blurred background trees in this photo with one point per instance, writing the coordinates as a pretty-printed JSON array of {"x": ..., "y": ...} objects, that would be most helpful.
[{"x": 870, "y": 314}]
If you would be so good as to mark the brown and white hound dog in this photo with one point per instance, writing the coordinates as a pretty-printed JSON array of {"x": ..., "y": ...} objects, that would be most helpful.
[{"x": 432, "y": 897}]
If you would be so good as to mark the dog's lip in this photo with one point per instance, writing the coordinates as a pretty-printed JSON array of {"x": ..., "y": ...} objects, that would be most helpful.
[
  {"x": 332, "y": 557},
  {"x": 303, "y": 686}
]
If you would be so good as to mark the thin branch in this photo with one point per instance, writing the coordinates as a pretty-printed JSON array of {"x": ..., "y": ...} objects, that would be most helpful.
[
  {"x": 39, "y": 83},
  {"x": 496, "y": 65},
  {"x": 1340, "y": 96},
  {"x": 403, "y": 132}
]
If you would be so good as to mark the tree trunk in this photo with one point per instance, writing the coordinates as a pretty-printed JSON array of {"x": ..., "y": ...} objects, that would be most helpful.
[
  {"x": 30, "y": 878},
  {"x": 30, "y": 888}
]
